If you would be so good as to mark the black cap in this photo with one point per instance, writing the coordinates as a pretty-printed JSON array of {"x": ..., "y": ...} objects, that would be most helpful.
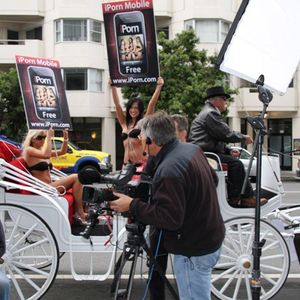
[{"x": 216, "y": 91}]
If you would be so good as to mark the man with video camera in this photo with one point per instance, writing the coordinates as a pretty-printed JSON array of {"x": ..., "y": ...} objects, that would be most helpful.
[{"x": 184, "y": 205}]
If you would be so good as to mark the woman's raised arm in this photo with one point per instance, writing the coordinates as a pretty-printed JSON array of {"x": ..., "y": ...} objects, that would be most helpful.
[
  {"x": 119, "y": 110},
  {"x": 155, "y": 96}
]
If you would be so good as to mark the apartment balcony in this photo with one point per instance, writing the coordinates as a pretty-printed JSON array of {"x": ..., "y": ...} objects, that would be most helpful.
[
  {"x": 81, "y": 54},
  {"x": 32, "y": 48},
  {"x": 22, "y": 8},
  {"x": 87, "y": 104},
  {"x": 247, "y": 100},
  {"x": 163, "y": 8}
]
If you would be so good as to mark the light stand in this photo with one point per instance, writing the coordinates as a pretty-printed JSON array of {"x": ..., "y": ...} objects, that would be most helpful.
[{"x": 257, "y": 123}]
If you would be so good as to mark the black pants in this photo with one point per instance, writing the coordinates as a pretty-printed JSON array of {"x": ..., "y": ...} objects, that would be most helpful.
[
  {"x": 236, "y": 176},
  {"x": 157, "y": 285}
]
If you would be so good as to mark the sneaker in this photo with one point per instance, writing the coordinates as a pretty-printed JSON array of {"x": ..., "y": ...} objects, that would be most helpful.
[{"x": 251, "y": 201}]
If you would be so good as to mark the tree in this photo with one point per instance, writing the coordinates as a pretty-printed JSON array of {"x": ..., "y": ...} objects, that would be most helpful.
[
  {"x": 187, "y": 72},
  {"x": 12, "y": 116}
]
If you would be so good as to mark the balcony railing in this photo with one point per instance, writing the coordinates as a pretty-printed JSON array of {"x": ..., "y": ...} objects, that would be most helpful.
[{"x": 10, "y": 48}]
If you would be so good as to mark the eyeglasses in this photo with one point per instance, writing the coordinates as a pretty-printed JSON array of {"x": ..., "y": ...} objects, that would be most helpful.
[{"x": 40, "y": 137}]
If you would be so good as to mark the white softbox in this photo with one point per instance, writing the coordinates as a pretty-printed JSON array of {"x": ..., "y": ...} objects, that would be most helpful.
[{"x": 264, "y": 40}]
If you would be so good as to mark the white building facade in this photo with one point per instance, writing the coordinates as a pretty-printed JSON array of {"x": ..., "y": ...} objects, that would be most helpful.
[{"x": 72, "y": 31}]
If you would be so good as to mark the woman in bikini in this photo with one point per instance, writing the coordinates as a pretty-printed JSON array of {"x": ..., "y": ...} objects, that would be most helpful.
[
  {"x": 37, "y": 152},
  {"x": 134, "y": 112}
]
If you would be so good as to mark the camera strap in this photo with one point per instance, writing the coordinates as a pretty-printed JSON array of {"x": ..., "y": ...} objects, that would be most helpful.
[{"x": 152, "y": 267}]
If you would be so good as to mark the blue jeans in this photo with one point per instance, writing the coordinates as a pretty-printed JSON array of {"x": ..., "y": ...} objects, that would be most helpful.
[
  {"x": 4, "y": 286},
  {"x": 193, "y": 275}
]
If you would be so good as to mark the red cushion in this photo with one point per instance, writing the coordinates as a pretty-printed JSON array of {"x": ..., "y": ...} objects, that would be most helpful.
[
  {"x": 9, "y": 151},
  {"x": 19, "y": 163},
  {"x": 69, "y": 197}
]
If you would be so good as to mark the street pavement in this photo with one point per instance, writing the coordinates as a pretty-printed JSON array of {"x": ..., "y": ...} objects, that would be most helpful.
[{"x": 78, "y": 290}]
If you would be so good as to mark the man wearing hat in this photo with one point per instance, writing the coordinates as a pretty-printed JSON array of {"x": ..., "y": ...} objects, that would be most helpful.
[{"x": 211, "y": 133}]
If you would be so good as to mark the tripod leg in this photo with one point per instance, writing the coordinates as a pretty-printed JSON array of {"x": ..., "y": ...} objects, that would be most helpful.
[
  {"x": 116, "y": 270},
  {"x": 132, "y": 272},
  {"x": 155, "y": 265},
  {"x": 127, "y": 252}
]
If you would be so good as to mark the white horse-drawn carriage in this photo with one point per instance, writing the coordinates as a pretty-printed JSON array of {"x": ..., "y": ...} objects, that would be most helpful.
[{"x": 39, "y": 229}]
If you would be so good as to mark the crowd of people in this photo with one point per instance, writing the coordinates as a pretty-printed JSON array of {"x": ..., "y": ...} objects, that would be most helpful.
[{"x": 184, "y": 199}]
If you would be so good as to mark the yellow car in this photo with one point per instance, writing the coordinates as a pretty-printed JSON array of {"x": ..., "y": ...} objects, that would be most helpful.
[{"x": 77, "y": 159}]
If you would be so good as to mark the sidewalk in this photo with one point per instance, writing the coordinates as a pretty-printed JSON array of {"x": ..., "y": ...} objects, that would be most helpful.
[{"x": 289, "y": 176}]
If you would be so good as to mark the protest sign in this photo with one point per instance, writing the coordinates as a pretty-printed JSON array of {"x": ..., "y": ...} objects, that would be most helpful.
[
  {"x": 131, "y": 42},
  {"x": 43, "y": 93}
]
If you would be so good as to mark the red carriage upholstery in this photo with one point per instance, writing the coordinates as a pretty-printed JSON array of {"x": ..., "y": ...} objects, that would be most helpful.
[{"x": 9, "y": 151}]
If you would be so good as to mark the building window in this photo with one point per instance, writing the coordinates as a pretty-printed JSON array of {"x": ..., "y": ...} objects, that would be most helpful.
[
  {"x": 209, "y": 30},
  {"x": 34, "y": 34},
  {"x": 86, "y": 133},
  {"x": 75, "y": 79},
  {"x": 95, "y": 31},
  {"x": 82, "y": 79},
  {"x": 58, "y": 30},
  {"x": 165, "y": 30},
  {"x": 95, "y": 80},
  {"x": 75, "y": 30},
  {"x": 78, "y": 30}
]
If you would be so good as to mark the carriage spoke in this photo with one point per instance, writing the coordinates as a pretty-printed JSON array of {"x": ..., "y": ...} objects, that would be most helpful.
[
  {"x": 230, "y": 279},
  {"x": 45, "y": 240},
  {"x": 265, "y": 248},
  {"x": 271, "y": 257},
  {"x": 247, "y": 282},
  {"x": 23, "y": 237},
  {"x": 217, "y": 277},
  {"x": 16, "y": 284},
  {"x": 235, "y": 283},
  {"x": 250, "y": 240},
  {"x": 31, "y": 268},
  {"x": 234, "y": 254},
  {"x": 271, "y": 268},
  {"x": 16, "y": 225},
  {"x": 234, "y": 243},
  {"x": 27, "y": 279},
  {"x": 266, "y": 277},
  {"x": 237, "y": 286}
]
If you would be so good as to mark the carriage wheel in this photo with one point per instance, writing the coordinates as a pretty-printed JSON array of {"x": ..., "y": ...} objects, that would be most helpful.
[
  {"x": 29, "y": 244},
  {"x": 232, "y": 274}
]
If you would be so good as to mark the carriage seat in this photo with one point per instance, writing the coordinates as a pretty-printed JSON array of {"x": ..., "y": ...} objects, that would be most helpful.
[
  {"x": 215, "y": 162},
  {"x": 22, "y": 165}
]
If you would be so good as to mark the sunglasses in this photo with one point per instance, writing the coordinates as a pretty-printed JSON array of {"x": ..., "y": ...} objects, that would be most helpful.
[{"x": 40, "y": 137}]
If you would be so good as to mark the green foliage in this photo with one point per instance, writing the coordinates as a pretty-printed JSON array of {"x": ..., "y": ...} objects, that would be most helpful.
[
  {"x": 187, "y": 72},
  {"x": 12, "y": 116}
]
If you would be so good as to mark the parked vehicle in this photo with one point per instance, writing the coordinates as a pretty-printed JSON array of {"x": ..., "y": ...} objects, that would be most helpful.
[{"x": 77, "y": 159}]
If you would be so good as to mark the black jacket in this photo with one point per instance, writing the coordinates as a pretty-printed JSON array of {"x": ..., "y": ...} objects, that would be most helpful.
[
  {"x": 210, "y": 132},
  {"x": 185, "y": 201}
]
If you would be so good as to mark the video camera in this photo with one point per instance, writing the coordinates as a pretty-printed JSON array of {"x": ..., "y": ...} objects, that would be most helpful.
[{"x": 97, "y": 196}]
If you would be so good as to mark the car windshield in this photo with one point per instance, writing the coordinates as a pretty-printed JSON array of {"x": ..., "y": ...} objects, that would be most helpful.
[
  {"x": 57, "y": 145},
  {"x": 75, "y": 146}
]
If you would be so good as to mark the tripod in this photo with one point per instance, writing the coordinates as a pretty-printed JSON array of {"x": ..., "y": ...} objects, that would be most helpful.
[{"x": 133, "y": 247}]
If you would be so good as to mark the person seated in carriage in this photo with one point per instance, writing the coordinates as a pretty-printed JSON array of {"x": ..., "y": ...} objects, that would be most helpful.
[
  {"x": 211, "y": 133},
  {"x": 37, "y": 152}
]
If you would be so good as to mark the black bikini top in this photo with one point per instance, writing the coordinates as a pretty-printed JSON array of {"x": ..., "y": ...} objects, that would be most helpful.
[
  {"x": 124, "y": 136},
  {"x": 41, "y": 166}
]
